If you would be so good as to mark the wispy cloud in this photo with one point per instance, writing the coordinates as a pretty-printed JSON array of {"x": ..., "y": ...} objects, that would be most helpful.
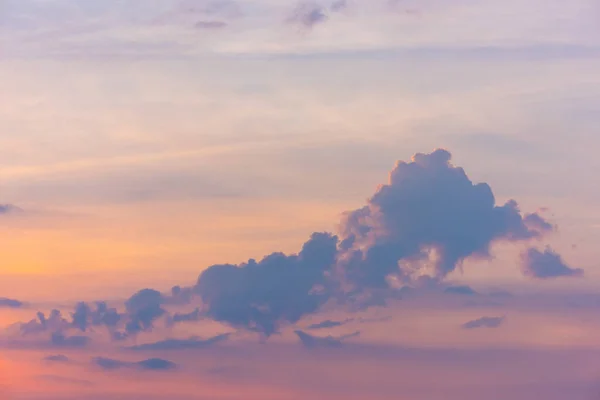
[{"x": 484, "y": 322}]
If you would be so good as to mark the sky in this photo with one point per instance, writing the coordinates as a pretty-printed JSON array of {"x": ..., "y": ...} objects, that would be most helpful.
[{"x": 273, "y": 199}]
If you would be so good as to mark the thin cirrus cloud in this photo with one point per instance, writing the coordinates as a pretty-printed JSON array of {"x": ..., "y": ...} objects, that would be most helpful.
[
  {"x": 308, "y": 15},
  {"x": 151, "y": 364},
  {"x": 312, "y": 341},
  {"x": 414, "y": 231},
  {"x": 484, "y": 322},
  {"x": 256, "y": 26}
]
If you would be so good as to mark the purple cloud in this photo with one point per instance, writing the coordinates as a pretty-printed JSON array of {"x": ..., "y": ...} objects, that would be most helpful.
[
  {"x": 546, "y": 264},
  {"x": 308, "y": 15},
  {"x": 428, "y": 206},
  {"x": 484, "y": 322}
]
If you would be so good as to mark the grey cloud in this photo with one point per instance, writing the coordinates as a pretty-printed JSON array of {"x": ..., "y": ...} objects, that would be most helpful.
[
  {"x": 84, "y": 316},
  {"x": 10, "y": 303},
  {"x": 428, "y": 205},
  {"x": 177, "y": 318},
  {"x": 151, "y": 364},
  {"x": 308, "y": 15},
  {"x": 143, "y": 308},
  {"x": 182, "y": 344},
  {"x": 10, "y": 209},
  {"x": 339, "y": 5},
  {"x": 546, "y": 264},
  {"x": 279, "y": 288},
  {"x": 484, "y": 322},
  {"x": 61, "y": 340},
  {"x": 311, "y": 341},
  {"x": 328, "y": 324},
  {"x": 58, "y": 358},
  {"x": 54, "y": 322}
]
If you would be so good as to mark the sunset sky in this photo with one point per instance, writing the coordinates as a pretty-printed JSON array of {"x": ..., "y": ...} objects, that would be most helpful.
[{"x": 144, "y": 141}]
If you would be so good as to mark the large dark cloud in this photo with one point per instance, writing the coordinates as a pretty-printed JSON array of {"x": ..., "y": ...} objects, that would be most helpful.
[
  {"x": 546, "y": 264},
  {"x": 279, "y": 288},
  {"x": 416, "y": 229},
  {"x": 413, "y": 232},
  {"x": 428, "y": 216}
]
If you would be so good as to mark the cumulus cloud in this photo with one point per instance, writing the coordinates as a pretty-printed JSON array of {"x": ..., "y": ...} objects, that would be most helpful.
[
  {"x": 415, "y": 229},
  {"x": 411, "y": 234},
  {"x": 279, "y": 288},
  {"x": 151, "y": 364},
  {"x": 311, "y": 341},
  {"x": 546, "y": 264},
  {"x": 53, "y": 323},
  {"x": 308, "y": 15},
  {"x": 180, "y": 344},
  {"x": 84, "y": 316},
  {"x": 484, "y": 322},
  {"x": 428, "y": 218},
  {"x": 143, "y": 308}
]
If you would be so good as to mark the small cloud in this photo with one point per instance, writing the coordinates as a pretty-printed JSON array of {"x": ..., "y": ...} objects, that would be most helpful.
[
  {"x": 177, "y": 318},
  {"x": 10, "y": 209},
  {"x": 339, "y": 5},
  {"x": 538, "y": 223},
  {"x": 546, "y": 264},
  {"x": 180, "y": 344},
  {"x": 10, "y": 303},
  {"x": 460, "y": 290},
  {"x": 484, "y": 322},
  {"x": 155, "y": 364},
  {"x": 58, "y": 358},
  {"x": 311, "y": 341},
  {"x": 375, "y": 319},
  {"x": 308, "y": 15},
  {"x": 209, "y": 25},
  {"x": 151, "y": 364},
  {"x": 61, "y": 340},
  {"x": 328, "y": 324}
]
